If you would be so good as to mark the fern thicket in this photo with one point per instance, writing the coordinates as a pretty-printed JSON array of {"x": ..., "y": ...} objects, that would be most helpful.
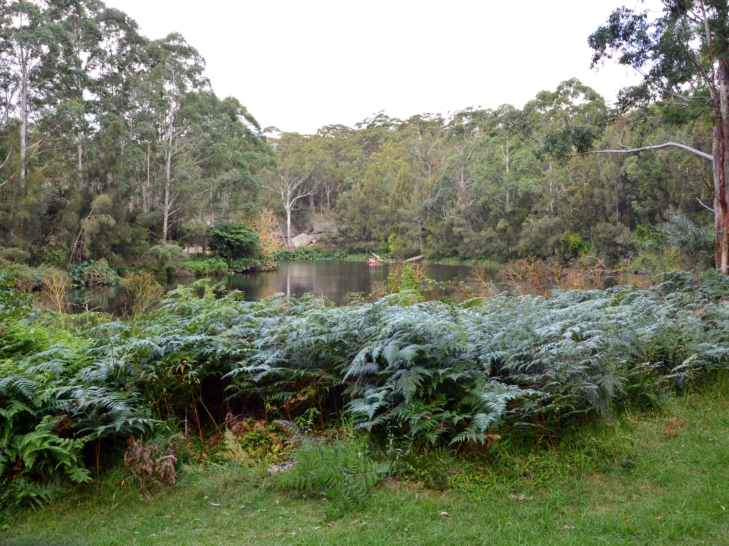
[{"x": 439, "y": 372}]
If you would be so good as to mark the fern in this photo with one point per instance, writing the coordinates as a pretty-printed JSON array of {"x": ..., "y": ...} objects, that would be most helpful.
[{"x": 343, "y": 472}]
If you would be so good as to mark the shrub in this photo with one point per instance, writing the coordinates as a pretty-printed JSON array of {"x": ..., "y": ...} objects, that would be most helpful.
[
  {"x": 141, "y": 290},
  {"x": 153, "y": 464},
  {"x": 234, "y": 241},
  {"x": 93, "y": 273},
  {"x": 56, "y": 284},
  {"x": 572, "y": 246},
  {"x": 166, "y": 253},
  {"x": 692, "y": 242},
  {"x": 12, "y": 303},
  {"x": 432, "y": 372},
  {"x": 266, "y": 227}
]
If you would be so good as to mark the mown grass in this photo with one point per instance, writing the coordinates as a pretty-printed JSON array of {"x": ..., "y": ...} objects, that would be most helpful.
[{"x": 650, "y": 480}]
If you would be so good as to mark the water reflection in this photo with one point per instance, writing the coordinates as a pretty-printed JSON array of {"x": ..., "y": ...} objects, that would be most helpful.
[{"x": 333, "y": 280}]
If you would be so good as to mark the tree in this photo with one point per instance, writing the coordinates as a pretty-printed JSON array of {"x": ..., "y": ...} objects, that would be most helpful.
[
  {"x": 27, "y": 38},
  {"x": 175, "y": 70},
  {"x": 683, "y": 56},
  {"x": 234, "y": 240},
  {"x": 294, "y": 178}
]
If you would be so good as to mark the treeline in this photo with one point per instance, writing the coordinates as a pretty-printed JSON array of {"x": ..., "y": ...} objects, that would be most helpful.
[
  {"x": 111, "y": 144},
  {"x": 503, "y": 184}
]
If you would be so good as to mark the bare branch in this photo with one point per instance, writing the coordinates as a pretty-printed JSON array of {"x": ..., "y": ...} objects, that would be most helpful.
[
  {"x": 707, "y": 207},
  {"x": 656, "y": 147}
]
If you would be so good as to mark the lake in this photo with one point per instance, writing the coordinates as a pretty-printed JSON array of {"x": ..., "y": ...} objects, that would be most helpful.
[{"x": 333, "y": 280}]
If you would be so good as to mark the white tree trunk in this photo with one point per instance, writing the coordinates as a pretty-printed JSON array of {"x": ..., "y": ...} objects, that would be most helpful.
[
  {"x": 145, "y": 191},
  {"x": 23, "y": 117},
  {"x": 166, "y": 212}
]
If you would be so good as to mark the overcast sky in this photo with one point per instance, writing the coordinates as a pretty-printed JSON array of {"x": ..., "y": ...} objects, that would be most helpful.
[{"x": 298, "y": 65}]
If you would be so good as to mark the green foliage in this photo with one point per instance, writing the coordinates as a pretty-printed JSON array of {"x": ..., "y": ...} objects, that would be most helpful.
[
  {"x": 234, "y": 241},
  {"x": 600, "y": 485},
  {"x": 342, "y": 472},
  {"x": 55, "y": 397},
  {"x": 310, "y": 253},
  {"x": 167, "y": 254},
  {"x": 203, "y": 267},
  {"x": 26, "y": 277},
  {"x": 12, "y": 303},
  {"x": 432, "y": 372},
  {"x": 693, "y": 242},
  {"x": 93, "y": 273},
  {"x": 572, "y": 246}
]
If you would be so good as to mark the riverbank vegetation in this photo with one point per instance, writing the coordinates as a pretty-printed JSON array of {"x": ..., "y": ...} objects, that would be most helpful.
[{"x": 205, "y": 379}]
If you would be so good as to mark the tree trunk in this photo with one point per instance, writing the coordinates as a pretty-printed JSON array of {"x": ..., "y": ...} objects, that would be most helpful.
[
  {"x": 168, "y": 178},
  {"x": 80, "y": 162},
  {"x": 166, "y": 213},
  {"x": 288, "y": 227},
  {"x": 23, "y": 119},
  {"x": 721, "y": 167},
  {"x": 167, "y": 204},
  {"x": 145, "y": 192},
  {"x": 311, "y": 202}
]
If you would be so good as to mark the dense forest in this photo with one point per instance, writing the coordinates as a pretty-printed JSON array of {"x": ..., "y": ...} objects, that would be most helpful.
[{"x": 114, "y": 145}]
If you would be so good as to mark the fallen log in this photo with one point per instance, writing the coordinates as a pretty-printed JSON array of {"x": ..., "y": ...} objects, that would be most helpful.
[{"x": 413, "y": 260}]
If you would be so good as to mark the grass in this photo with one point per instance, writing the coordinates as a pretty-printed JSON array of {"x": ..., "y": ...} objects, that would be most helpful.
[{"x": 657, "y": 478}]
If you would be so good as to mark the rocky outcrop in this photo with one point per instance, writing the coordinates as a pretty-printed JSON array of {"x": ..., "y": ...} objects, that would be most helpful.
[
  {"x": 303, "y": 240},
  {"x": 321, "y": 229},
  {"x": 324, "y": 226}
]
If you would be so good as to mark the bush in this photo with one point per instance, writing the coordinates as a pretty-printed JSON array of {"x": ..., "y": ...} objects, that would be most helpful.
[
  {"x": 153, "y": 464},
  {"x": 93, "y": 273},
  {"x": 432, "y": 372},
  {"x": 141, "y": 290},
  {"x": 572, "y": 246},
  {"x": 693, "y": 243},
  {"x": 201, "y": 267},
  {"x": 234, "y": 241},
  {"x": 167, "y": 254},
  {"x": 56, "y": 285}
]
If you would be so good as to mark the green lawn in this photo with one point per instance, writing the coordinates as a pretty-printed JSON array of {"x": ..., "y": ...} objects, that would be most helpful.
[{"x": 631, "y": 485}]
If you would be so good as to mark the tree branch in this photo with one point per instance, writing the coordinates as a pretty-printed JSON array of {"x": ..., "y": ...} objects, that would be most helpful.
[
  {"x": 656, "y": 147},
  {"x": 707, "y": 207}
]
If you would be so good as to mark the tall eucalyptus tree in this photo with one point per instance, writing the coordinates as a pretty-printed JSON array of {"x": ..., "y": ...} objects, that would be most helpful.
[
  {"x": 683, "y": 56},
  {"x": 175, "y": 69}
]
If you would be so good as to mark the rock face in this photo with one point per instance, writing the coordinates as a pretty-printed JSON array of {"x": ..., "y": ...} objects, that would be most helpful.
[
  {"x": 324, "y": 226},
  {"x": 320, "y": 227},
  {"x": 303, "y": 240}
]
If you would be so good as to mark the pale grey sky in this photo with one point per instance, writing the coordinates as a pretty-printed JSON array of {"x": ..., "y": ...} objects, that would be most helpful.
[{"x": 302, "y": 64}]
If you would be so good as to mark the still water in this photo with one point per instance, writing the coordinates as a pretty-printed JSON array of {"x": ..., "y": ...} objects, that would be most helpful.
[{"x": 333, "y": 280}]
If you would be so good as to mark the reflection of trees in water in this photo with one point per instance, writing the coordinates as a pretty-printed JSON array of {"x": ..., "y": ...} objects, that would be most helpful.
[
  {"x": 106, "y": 299},
  {"x": 333, "y": 280}
]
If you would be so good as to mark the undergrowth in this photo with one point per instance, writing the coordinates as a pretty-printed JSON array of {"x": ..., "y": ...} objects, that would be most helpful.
[{"x": 503, "y": 368}]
